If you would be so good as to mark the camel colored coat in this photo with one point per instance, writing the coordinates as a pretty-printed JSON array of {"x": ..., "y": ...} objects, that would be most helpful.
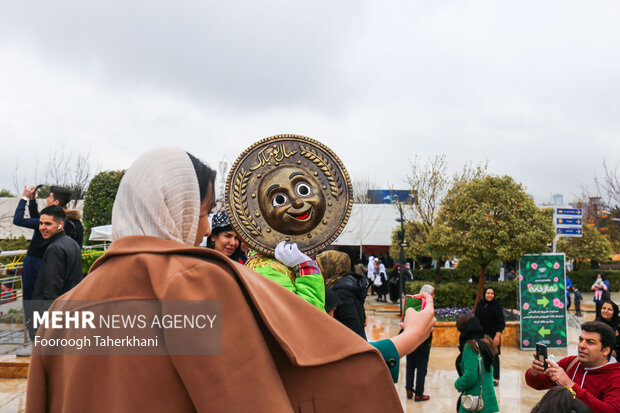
[{"x": 279, "y": 353}]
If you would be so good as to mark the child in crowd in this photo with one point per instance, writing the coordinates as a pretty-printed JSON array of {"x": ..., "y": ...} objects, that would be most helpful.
[
  {"x": 578, "y": 300},
  {"x": 598, "y": 287}
]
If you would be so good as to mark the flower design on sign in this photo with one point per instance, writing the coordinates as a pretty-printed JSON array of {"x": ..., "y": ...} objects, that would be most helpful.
[
  {"x": 526, "y": 343},
  {"x": 534, "y": 266},
  {"x": 556, "y": 266},
  {"x": 526, "y": 306}
]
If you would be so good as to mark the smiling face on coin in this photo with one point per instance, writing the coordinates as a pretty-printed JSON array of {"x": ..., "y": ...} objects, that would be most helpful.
[{"x": 291, "y": 200}]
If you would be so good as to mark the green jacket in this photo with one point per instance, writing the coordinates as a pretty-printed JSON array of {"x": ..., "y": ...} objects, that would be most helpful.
[
  {"x": 469, "y": 382},
  {"x": 305, "y": 280}
]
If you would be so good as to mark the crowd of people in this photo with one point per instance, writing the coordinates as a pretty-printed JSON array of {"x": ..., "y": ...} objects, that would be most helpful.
[
  {"x": 299, "y": 322},
  {"x": 280, "y": 351}
]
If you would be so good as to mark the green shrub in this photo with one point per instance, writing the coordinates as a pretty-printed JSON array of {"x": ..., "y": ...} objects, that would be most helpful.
[
  {"x": 99, "y": 199},
  {"x": 88, "y": 258},
  {"x": 463, "y": 294},
  {"x": 13, "y": 244},
  {"x": 585, "y": 278}
]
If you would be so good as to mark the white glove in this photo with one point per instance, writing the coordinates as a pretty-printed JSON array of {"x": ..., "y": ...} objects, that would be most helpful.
[{"x": 289, "y": 254}]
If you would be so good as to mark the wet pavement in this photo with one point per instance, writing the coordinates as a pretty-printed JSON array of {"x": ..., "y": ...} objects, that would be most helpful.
[{"x": 513, "y": 395}]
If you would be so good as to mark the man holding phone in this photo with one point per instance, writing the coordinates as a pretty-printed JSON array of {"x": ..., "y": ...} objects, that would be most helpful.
[{"x": 593, "y": 375}]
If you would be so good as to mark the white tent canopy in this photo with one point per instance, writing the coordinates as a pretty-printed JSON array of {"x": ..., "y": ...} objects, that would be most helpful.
[
  {"x": 101, "y": 233},
  {"x": 368, "y": 225}
]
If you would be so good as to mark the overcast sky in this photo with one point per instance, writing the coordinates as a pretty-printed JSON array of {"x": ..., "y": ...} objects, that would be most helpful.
[{"x": 532, "y": 87}]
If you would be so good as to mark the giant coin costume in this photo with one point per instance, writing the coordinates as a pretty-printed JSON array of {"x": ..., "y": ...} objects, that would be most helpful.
[{"x": 291, "y": 188}]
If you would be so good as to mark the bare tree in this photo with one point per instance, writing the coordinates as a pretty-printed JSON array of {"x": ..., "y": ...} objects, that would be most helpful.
[
  {"x": 20, "y": 179},
  {"x": 609, "y": 187},
  {"x": 68, "y": 169},
  {"x": 360, "y": 189},
  {"x": 430, "y": 182},
  {"x": 64, "y": 168}
]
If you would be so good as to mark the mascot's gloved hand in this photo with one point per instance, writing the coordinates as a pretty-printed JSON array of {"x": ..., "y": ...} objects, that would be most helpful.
[{"x": 289, "y": 254}]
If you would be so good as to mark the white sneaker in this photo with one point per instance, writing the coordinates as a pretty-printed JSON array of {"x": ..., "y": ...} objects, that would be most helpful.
[{"x": 25, "y": 351}]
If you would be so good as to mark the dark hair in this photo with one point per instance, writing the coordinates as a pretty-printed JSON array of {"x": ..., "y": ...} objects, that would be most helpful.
[
  {"x": 560, "y": 400},
  {"x": 62, "y": 195},
  {"x": 462, "y": 320},
  {"x": 608, "y": 335},
  {"x": 236, "y": 255},
  {"x": 205, "y": 175},
  {"x": 54, "y": 211}
]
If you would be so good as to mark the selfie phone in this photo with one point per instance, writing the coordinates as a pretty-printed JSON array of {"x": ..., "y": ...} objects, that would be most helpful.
[
  {"x": 36, "y": 188},
  {"x": 417, "y": 304},
  {"x": 541, "y": 354}
]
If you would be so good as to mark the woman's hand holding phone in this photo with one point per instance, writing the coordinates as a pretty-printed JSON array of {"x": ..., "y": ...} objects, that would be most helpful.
[{"x": 416, "y": 325}]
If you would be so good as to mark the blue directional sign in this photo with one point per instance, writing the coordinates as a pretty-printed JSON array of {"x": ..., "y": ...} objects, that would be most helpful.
[
  {"x": 569, "y": 221},
  {"x": 569, "y": 211},
  {"x": 569, "y": 232}
]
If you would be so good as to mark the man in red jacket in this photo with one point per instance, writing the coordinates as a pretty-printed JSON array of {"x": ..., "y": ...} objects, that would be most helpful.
[{"x": 593, "y": 375}]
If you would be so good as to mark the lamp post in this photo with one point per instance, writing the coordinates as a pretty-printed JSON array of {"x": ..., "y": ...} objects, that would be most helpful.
[{"x": 402, "y": 244}]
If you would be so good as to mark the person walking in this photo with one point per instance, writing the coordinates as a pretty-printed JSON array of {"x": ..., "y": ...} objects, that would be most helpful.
[
  {"x": 491, "y": 316},
  {"x": 475, "y": 364}
]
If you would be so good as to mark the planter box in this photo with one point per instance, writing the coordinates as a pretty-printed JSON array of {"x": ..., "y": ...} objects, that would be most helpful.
[{"x": 445, "y": 334}]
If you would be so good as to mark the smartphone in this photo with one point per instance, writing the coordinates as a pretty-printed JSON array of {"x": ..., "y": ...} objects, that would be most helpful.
[
  {"x": 541, "y": 354},
  {"x": 417, "y": 304}
]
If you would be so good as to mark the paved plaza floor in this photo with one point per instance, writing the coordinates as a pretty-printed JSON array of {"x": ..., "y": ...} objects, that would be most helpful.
[{"x": 513, "y": 395}]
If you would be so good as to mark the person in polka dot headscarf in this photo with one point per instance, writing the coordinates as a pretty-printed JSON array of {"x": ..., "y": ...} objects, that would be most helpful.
[{"x": 224, "y": 238}]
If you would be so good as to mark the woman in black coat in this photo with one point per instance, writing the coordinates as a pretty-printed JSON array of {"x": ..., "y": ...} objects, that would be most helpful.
[
  {"x": 350, "y": 288},
  {"x": 609, "y": 316},
  {"x": 491, "y": 317}
]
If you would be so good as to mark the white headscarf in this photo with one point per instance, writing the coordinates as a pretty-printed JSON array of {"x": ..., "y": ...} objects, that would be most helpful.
[
  {"x": 371, "y": 271},
  {"x": 158, "y": 196}
]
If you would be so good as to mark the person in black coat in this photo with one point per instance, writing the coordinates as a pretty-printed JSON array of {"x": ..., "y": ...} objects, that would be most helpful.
[
  {"x": 491, "y": 316},
  {"x": 351, "y": 288},
  {"x": 609, "y": 316},
  {"x": 61, "y": 269}
]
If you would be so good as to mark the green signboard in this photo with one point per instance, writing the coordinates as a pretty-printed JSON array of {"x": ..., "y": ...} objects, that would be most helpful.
[{"x": 542, "y": 289}]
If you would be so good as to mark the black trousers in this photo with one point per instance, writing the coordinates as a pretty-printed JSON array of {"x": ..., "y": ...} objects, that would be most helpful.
[
  {"x": 496, "y": 364},
  {"x": 417, "y": 360}
]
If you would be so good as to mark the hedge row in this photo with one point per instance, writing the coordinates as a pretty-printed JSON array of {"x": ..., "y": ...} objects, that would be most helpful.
[
  {"x": 585, "y": 278},
  {"x": 88, "y": 258},
  {"x": 452, "y": 294}
]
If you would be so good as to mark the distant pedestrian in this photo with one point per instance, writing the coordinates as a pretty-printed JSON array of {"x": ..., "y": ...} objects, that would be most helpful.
[
  {"x": 569, "y": 284},
  {"x": 394, "y": 285},
  {"x": 380, "y": 281},
  {"x": 578, "y": 300},
  {"x": 601, "y": 292},
  {"x": 511, "y": 275}
]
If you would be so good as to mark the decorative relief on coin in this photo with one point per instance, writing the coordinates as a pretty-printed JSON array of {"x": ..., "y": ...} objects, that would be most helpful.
[{"x": 279, "y": 188}]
